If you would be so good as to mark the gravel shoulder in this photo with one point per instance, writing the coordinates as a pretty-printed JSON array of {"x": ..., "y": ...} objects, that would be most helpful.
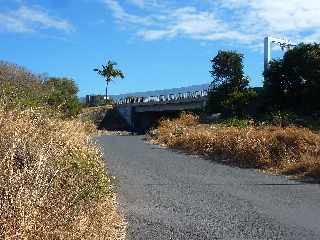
[{"x": 165, "y": 194}]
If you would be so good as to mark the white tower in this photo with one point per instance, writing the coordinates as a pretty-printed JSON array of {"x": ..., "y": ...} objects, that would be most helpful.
[{"x": 268, "y": 41}]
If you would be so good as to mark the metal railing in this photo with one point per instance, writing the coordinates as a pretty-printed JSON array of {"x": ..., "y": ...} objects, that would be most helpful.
[{"x": 163, "y": 98}]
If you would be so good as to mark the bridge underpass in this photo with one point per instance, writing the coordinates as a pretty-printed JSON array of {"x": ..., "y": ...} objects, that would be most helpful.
[
  {"x": 141, "y": 122},
  {"x": 144, "y": 121},
  {"x": 141, "y": 114},
  {"x": 144, "y": 116}
]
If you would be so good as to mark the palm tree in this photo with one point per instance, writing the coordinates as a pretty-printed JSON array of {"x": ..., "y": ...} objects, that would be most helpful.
[{"x": 109, "y": 73}]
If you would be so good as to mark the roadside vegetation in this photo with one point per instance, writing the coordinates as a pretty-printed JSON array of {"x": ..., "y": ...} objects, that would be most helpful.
[
  {"x": 290, "y": 150},
  {"x": 275, "y": 128},
  {"x": 21, "y": 89},
  {"x": 53, "y": 180}
]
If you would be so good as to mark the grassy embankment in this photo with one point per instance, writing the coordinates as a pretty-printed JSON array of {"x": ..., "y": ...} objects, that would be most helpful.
[
  {"x": 289, "y": 150},
  {"x": 53, "y": 181}
]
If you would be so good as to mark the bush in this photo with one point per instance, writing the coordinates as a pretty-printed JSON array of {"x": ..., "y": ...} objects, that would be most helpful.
[
  {"x": 293, "y": 83},
  {"x": 62, "y": 95},
  {"x": 266, "y": 147},
  {"x": 52, "y": 181},
  {"x": 282, "y": 118},
  {"x": 19, "y": 88},
  {"x": 236, "y": 122}
]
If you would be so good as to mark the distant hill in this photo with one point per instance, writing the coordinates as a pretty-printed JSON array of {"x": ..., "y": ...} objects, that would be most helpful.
[{"x": 163, "y": 92}]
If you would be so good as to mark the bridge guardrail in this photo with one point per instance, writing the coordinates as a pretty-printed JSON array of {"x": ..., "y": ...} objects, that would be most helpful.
[{"x": 163, "y": 98}]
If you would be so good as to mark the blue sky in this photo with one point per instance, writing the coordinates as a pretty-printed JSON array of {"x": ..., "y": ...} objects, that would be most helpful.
[{"x": 157, "y": 43}]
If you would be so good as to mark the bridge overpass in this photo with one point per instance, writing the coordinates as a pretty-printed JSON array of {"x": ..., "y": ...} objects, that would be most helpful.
[{"x": 143, "y": 112}]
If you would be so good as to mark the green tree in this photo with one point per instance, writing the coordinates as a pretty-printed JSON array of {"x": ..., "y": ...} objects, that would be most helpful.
[
  {"x": 228, "y": 92},
  {"x": 109, "y": 72},
  {"x": 293, "y": 83},
  {"x": 63, "y": 95}
]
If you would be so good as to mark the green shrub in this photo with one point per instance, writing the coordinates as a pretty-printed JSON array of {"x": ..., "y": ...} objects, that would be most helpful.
[
  {"x": 62, "y": 96},
  {"x": 236, "y": 122},
  {"x": 281, "y": 118},
  {"x": 19, "y": 88}
]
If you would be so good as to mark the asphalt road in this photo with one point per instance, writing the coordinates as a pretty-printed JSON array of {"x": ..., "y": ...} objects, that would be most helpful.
[{"x": 169, "y": 195}]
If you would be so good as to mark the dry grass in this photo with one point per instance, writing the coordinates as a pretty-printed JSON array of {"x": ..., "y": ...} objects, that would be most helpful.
[
  {"x": 289, "y": 150},
  {"x": 53, "y": 183},
  {"x": 95, "y": 115},
  {"x": 88, "y": 110}
]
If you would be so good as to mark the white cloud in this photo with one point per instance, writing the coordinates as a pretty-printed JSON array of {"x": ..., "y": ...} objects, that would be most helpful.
[
  {"x": 244, "y": 21},
  {"x": 147, "y": 3},
  {"x": 269, "y": 17},
  {"x": 140, "y": 3},
  {"x": 12, "y": 24},
  {"x": 123, "y": 17},
  {"x": 183, "y": 21},
  {"x": 27, "y": 19},
  {"x": 151, "y": 35},
  {"x": 194, "y": 24}
]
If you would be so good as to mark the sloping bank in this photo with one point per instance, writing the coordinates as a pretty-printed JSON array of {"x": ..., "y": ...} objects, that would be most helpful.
[
  {"x": 53, "y": 181},
  {"x": 290, "y": 150}
]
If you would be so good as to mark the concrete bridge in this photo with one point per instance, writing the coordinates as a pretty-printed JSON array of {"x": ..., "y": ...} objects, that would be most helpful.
[{"x": 143, "y": 112}]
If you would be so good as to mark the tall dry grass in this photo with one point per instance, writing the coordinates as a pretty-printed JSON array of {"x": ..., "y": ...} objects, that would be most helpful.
[
  {"x": 290, "y": 150},
  {"x": 53, "y": 181}
]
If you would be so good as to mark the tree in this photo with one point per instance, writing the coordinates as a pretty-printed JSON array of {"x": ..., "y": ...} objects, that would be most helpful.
[
  {"x": 227, "y": 69},
  {"x": 63, "y": 95},
  {"x": 228, "y": 92},
  {"x": 293, "y": 83},
  {"x": 109, "y": 73}
]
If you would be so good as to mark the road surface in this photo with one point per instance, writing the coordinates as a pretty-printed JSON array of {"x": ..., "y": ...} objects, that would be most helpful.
[{"x": 165, "y": 194}]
